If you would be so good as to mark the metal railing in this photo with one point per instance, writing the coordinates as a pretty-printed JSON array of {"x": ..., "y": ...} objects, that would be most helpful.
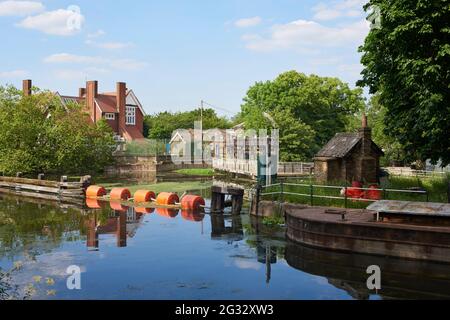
[{"x": 383, "y": 192}]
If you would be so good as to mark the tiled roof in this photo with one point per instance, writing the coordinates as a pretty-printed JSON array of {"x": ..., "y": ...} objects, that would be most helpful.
[
  {"x": 340, "y": 145},
  {"x": 106, "y": 103}
]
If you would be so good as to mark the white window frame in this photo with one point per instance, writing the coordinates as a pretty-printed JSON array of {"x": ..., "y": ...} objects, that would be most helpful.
[
  {"x": 130, "y": 115},
  {"x": 110, "y": 116}
]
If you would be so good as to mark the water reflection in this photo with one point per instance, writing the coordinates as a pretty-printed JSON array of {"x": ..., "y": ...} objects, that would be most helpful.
[
  {"x": 245, "y": 257},
  {"x": 401, "y": 279}
]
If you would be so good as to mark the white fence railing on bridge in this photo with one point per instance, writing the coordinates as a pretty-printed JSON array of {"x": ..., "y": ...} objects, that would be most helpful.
[
  {"x": 295, "y": 168},
  {"x": 250, "y": 167}
]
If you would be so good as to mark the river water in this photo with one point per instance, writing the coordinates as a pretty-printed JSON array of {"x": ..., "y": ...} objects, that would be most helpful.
[{"x": 124, "y": 254}]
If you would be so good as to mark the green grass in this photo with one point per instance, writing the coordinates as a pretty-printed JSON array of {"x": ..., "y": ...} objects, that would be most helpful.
[
  {"x": 177, "y": 187},
  {"x": 196, "y": 172},
  {"x": 436, "y": 188}
]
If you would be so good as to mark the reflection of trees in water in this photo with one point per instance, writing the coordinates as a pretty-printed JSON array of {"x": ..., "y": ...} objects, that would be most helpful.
[{"x": 34, "y": 228}]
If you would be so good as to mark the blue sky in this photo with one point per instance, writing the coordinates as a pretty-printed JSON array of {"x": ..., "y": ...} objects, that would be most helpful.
[{"x": 174, "y": 53}]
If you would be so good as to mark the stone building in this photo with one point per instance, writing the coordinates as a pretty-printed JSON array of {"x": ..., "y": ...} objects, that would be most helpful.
[{"x": 349, "y": 157}]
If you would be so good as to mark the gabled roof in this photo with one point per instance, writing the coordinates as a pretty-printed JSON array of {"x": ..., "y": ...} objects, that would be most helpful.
[
  {"x": 106, "y": 103},
  {"x": 342, "y": 144},
  {"x": 339, "y": 146}
]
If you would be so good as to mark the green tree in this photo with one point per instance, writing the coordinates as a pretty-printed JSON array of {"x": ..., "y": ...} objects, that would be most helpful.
[
  {"x": 163, "y": 124},
  {"x": 308, "y": 110},
  {"x": 407, "y": 61},
  {"x": 39, "y": 134}
]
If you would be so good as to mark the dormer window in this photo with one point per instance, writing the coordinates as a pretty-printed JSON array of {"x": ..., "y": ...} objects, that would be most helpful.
[
  {"x": 131, "y": 115},
  {"x": 110, "y": 116}
]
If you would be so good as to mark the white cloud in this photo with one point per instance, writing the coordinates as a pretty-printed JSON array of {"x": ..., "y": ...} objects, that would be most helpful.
[
  {"x": 119, "y": 64},
  {"x": 248, "y": 22},
  {"x": 96, "y": 34},
  {"x": 338, "y": 9},
  {"x": 14, "y": 74},
  {"x": 110, "y": 45},
  {"x": 20, "y": 8},
  {"x": 307, "y": 36},
  {"x": 62, "y": 22}
]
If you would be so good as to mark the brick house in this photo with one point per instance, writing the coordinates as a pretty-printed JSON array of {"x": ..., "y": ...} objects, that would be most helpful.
[
  {"x": 349, "y": 157},
  {"x": 121, "y": 109}
]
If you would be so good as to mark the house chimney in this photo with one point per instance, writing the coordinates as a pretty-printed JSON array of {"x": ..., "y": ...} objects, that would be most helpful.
[
  {"x": 91, "y": 94},
  {"x": 26, "y": 87},
  {"x": 365, "y": 133},
  {"x": 121, "y": 92},
  {"x": 81, "y": 92}
]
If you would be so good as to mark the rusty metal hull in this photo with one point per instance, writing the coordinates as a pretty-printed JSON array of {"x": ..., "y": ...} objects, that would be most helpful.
[{"x": 360, "y": 233}]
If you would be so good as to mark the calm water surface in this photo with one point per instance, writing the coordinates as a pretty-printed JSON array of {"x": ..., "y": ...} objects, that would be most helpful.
[{"x": 124, "y": 254}]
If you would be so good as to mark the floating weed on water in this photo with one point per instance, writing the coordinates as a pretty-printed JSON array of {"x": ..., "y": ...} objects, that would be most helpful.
[
  {"x": 37, "y": 279},
  {"x": 30, "y": 290},
  {"x": 18, "y": 265},
  {"x": 51, "y": 293},
  {"x": 50, "y": 282}
]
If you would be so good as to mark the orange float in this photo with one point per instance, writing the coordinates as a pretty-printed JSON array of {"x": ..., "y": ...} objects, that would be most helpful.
[
  {"x": 192, "y": 215},
  {"x": 142, "y": 196},
  {"x": 167, "y": 199},
  {"x": 120, "y": 194},
  {"x": 144, "y": 210},
  {"x": 117, "y": 206},
  {"x": 95, "y": 192},
  {"x": 168, "y": 213},
  {"x": 93, "y": 203},
  {"x": 192, "y": 202}
]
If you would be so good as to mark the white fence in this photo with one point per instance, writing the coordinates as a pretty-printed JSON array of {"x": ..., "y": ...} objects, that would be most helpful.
[
  {"x": 408, "y": 172},
  {"x": 250, "y": 167}
]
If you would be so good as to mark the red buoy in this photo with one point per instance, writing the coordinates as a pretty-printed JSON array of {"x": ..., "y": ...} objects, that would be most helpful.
[
  {"x": 374, "y": 193},
  {"x": 192, "y": 202},
  {"x": 167, "y": 199},
  {"x": 95, "y": 192},
  {"x": 190, "y": 215},
  {"x": 120, "y": 194}
]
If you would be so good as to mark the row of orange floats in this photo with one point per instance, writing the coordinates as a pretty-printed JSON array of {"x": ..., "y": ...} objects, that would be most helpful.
[{"x": 142, "y": 197}]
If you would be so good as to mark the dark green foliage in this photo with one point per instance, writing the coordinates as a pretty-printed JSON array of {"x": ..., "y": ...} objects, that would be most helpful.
[
  {"x": 163, "y": 124},
  {"x": 39, "y": 135},
  {"x": 407, "y": 61},
  {"x": 308, "y": 111}
]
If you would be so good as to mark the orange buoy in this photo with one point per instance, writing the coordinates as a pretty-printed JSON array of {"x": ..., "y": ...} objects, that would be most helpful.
[
  {"x": 120, "y": 194},
  {"x": 117, "y": 206},
  {"x": 168, "y": 213},
  {"x": 192, "y": 202},
  {"x": 95, "y": 192},
  {"x": 192, "y": 215},
  {"x": 144, "y": 196},
  {"x": 167, "y": 199},
  {"x": 144, "y": 210},
  {"x": 93, "y": 203}
]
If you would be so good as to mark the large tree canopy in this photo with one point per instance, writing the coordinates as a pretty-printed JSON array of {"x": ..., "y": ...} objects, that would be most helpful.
[
  {"x": 163, "y": 124},
  {"x": 308, "y": 111},
  {"x": 407, "y": 61},
  {"x": 39, "y": 135}
]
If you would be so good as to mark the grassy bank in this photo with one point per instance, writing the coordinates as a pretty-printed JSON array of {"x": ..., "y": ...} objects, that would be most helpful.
[
  {"x": 196, "y": 172},
  {"x": 436, "y": 188},
  {"x": 177, "y": 187}
]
